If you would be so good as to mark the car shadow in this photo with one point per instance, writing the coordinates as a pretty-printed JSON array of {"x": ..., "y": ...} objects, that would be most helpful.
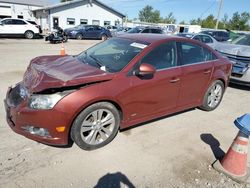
[
  {"x": 157, "y": 119},
  {"x": 115, "y": 180},
  {"x": 21, "y": 37},
  {"x": 214, "y": 145},
  {"x": 236, "y": 86}
]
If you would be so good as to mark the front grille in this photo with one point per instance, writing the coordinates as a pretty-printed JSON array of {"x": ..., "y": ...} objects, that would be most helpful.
[
  {"x": 16, "y": 96},
  {"x": 238, "y": 59}
]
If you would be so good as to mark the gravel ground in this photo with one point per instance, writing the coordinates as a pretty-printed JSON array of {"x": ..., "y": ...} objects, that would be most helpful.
[{"x": 174, "y": 151}]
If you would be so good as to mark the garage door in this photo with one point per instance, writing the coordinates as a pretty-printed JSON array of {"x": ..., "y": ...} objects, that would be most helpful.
[{"x": 5, "y": 11}]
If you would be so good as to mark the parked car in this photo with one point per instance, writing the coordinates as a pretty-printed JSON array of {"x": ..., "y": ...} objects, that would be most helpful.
[
  {"x": 113, "y": 85},
  {"x": 238, "y": 51},
  {"x": 34, "y": 23},
  {"x": 207, "y": 39},
  {"x": 141, "y": 29},
  {"x": 218, "y": 35},
  {"x": 88, "y": 31},
  {"x": 18, "y": 27}
]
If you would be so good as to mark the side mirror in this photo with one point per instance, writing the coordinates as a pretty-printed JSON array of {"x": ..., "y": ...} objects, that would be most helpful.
[{"x": 145, "y": 69}]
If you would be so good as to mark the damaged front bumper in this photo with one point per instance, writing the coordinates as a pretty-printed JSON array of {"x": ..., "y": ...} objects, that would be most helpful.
[{"x": 38, "y": 125}]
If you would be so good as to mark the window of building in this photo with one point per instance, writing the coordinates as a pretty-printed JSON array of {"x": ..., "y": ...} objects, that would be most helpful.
[
  {"x": 106, "y": 23},
  {"x": 95, "y": 22},
  {"x": 71, "y": 21},
  {"x": 83, "y": 21},
  {"x": 163, "y": 56}
]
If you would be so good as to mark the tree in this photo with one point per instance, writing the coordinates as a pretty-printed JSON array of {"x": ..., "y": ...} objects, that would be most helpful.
[
  {"x": 182, "y": 22},
  {"x": 170, "y": 19},
  {"x": 239, "y": 21},
  {"x": 148, "y": 14},
  {"x": 209, "y": 22}
]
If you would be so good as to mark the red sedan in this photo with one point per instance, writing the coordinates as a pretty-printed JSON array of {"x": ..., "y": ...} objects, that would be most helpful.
[{"x": 113, "y": 85}]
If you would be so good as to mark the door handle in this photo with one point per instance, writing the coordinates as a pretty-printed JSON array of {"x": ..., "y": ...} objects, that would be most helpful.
[
  {"x": 174, "y": 80},
  {"x": 207, "y": 71}
]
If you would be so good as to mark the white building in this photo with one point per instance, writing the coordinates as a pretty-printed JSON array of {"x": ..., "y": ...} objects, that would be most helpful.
[
  {"x": 73, "y": 13},
  {"x": 20, "y": 8}
]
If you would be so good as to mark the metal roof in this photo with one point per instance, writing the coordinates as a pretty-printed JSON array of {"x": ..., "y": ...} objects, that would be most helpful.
[
  {"x": 76, "y": 1},
  {"x": 39, "y": 3}
]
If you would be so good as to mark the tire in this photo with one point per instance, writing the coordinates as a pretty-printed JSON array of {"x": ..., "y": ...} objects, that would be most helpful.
[
  {"x": 65, "y": 38},
  {"x": 104, "y": 37},
  {"x": 95, "y": 126},
  {"x": 29, "y": 34},
  {"x": 213, "y": 96},
  {"x": 79, "y": 36}
]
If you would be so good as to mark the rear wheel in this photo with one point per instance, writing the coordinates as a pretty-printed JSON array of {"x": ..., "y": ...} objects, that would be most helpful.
[
  {"x": 29, "y": 34},
  {"x": 79, "y": 36},
  {"x": 213, "y": 96},
  {"x": 95, "y": 126}
]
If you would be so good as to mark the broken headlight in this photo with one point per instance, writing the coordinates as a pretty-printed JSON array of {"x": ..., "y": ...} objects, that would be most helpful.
[{"x": 45, "y": 102}]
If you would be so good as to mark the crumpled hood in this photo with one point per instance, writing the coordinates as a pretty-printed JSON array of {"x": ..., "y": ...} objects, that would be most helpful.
[
  {"x": 56, "y": 71},
  {"x": 233, "y": 49}
]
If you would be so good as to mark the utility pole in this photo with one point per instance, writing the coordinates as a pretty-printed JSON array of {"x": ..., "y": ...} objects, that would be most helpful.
[{"x": 218, "y": 16}]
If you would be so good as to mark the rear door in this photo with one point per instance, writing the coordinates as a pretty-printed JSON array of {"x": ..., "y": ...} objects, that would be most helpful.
[
  {"x": 19, "y": 26},
  {"x": 197, "y": 70},
  {"x": 159, "y": 94}
]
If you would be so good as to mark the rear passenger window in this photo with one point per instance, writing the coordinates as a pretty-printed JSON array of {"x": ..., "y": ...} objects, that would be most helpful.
[
  {"x": 146, "y": 31},
  {"x": 162, "y": 57},
  {"x": 158, "y": 31},
  {"x": 208, "y": 55},
  {"x": 206, "y": 39},
  {"x": 18, "y": 22},
  {"x": 191, "y": 53}
]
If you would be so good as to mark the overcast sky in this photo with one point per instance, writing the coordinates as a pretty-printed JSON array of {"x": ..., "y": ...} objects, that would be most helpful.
[{"x": 182, "y": 9}]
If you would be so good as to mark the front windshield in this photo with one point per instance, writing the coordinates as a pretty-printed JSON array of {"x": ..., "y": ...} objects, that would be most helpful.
[
  {"x": 243, "y": 40},
  {"x": 112, "y": 55},
  {"x": 134, "y": 30}
]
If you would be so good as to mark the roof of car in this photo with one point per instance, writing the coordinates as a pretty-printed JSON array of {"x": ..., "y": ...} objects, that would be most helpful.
[{"x": 148, "y": 38}]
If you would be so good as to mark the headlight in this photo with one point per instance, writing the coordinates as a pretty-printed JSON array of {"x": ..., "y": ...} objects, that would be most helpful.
[
  {"x": 73, "y": 32},
  {"x": 45, "y": 102}
]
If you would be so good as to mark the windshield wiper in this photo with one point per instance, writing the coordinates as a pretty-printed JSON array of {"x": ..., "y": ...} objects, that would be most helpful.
[{"x": 97, "y": 61}]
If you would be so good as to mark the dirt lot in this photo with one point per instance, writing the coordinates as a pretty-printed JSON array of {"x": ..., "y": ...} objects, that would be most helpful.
[{"x": 175, "y": 151}]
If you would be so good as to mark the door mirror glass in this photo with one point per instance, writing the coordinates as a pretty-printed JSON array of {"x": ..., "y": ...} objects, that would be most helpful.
[{"x": 145, "y": 69}]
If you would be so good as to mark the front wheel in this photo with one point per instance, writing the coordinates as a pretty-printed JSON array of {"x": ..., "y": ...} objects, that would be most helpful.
[
  {"x": 213, "y": 96},
  {"x": 104, "y": 37},
  {"x": 96, "y": 126},
  {"x": 79, "y": 36}
]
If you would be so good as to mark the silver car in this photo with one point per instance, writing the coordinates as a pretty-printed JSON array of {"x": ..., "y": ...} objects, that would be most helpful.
[
  {"x": 210, "y": 41},
  {"x": 238, "y": 51}
]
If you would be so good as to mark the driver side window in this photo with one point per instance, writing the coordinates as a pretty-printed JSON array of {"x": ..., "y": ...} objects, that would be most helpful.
[{"x": 162, "y": 57}]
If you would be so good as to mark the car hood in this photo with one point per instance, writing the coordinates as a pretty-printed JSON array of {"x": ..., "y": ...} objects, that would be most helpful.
[
  {"x": 47, "y": 72},
  {"x": 233, "y": 49}
]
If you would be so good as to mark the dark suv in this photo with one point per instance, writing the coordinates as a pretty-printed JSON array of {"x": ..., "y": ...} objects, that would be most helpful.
[
  {"x": 88, "y": 31},
  {"x": 139, "y": 29},
  {"x": 218, "y": 35}
]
